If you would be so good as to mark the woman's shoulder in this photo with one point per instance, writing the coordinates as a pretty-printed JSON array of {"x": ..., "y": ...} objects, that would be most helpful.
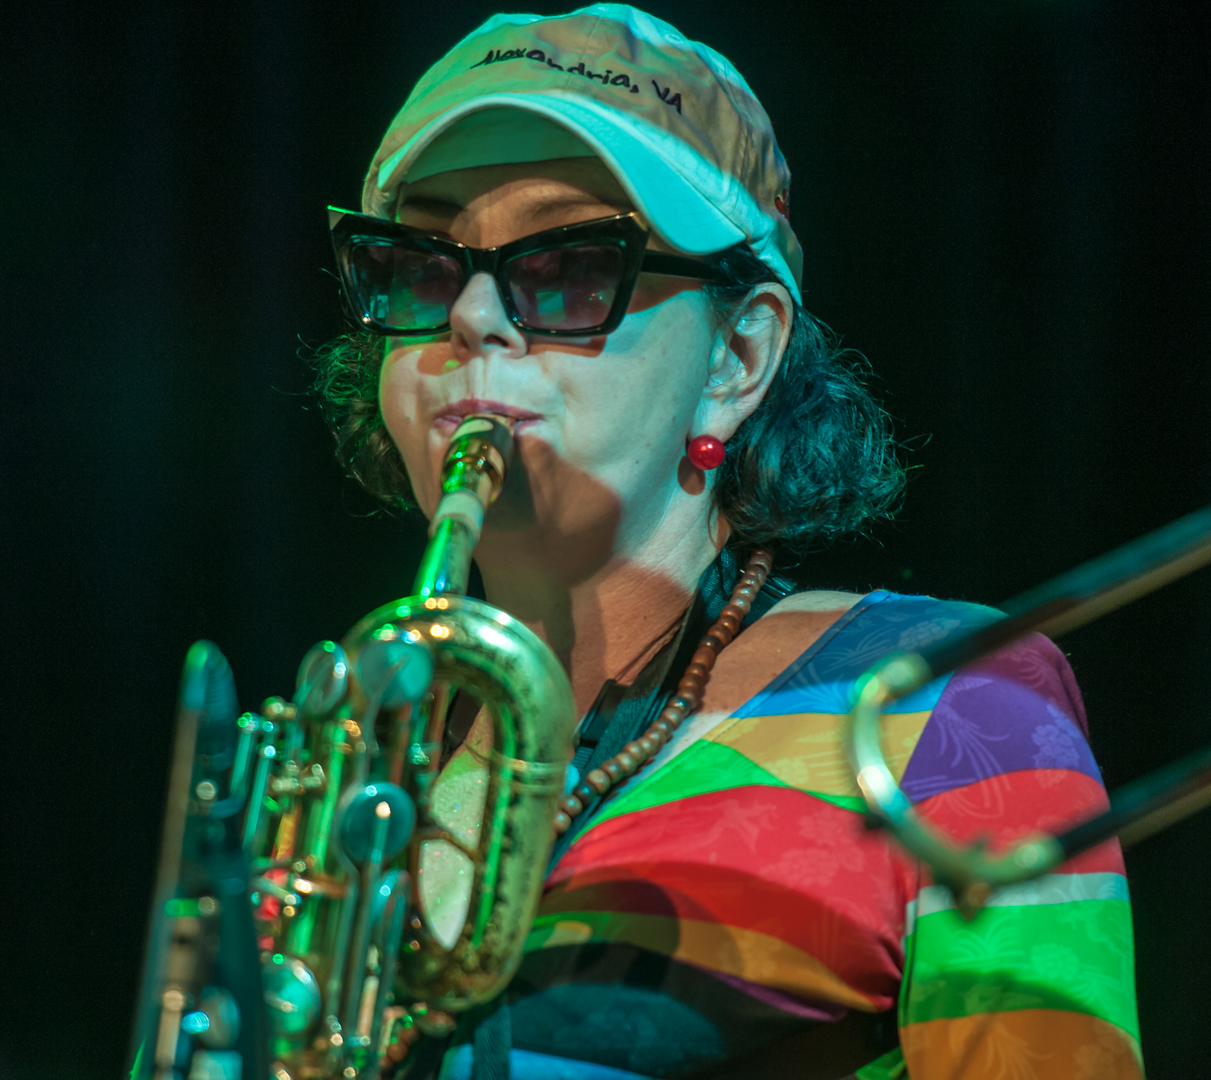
[
  {"x": 785, "y": 684},
  {"x": 819, "y": 641},
  {"x": 814, "y": 600},
  {"x": 772, "y": 643}
]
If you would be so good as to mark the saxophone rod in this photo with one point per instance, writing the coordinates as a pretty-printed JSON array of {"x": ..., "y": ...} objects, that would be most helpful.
[
  {"x": 1066, "y": 602},
  {"x": 473, "y": 473}
]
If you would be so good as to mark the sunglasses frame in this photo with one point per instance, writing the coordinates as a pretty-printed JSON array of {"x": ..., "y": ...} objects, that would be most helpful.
[{"x": 622, "y": 231}]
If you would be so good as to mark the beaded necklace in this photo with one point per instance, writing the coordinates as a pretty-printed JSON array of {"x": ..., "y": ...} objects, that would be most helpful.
[{"x": 687, "y": 698}]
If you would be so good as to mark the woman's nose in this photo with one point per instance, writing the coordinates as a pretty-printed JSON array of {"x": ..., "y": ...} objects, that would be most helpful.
[{"x": 479, "y": 324}]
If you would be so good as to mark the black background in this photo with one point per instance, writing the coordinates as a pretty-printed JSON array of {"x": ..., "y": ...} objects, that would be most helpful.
[{"x": 1005, "y": 205}]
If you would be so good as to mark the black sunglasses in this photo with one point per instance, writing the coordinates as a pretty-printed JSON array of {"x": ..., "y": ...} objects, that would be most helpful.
[{"x": 575, "y": 280}]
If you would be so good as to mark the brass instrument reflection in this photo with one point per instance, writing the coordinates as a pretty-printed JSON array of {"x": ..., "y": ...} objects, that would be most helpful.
[{"x": 338, "y": 783}]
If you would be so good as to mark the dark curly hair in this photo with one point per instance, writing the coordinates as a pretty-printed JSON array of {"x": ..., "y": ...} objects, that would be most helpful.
[{"x": 814, "y": 462}]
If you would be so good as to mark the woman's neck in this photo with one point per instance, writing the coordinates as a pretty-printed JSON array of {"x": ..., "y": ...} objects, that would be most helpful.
[{"x": 605, "y": 624}]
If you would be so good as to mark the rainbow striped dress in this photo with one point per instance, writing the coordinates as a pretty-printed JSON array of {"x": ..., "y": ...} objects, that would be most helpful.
[{"x": 729, "y": 897}]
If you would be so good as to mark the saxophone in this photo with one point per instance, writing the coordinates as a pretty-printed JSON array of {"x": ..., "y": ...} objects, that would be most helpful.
[{"x": 338, "y": 785}]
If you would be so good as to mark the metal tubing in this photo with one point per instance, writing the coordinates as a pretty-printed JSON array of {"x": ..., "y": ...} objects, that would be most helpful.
[
  {"x": 371, "y": 872},
  {"x": 1147, "y": 805},
  {"x": 256, "y": 801},
  {"x": 1062, "y": 604},
  {"x": 446, "y": 565},
  {"x": 390, "y": 954}
]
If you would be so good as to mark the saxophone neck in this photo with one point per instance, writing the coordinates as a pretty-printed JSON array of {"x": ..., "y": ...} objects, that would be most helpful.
[{"x": 472, "y": 477}]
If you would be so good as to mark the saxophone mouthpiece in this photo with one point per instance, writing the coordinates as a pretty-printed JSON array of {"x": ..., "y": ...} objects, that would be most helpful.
[
  {"x": 496, "y": 431},
  {"x": 498, "y": 418},
  {"x": 474, "y": 471}
]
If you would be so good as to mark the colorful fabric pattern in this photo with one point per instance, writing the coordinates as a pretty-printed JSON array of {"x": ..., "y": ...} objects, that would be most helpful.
[{"x": 729, "y": 895}]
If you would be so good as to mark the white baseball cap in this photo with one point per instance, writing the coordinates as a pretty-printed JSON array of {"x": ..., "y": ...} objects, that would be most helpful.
[{"x": 672, "y": 119}]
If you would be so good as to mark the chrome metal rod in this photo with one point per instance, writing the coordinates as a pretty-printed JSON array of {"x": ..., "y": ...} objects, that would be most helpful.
[
  {"x": 1086, "y": 593},
  {"x": 1147, "y": 805}
]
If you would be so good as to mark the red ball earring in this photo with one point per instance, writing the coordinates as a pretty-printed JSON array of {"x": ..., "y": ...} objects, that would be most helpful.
[{"x": 705, "y": 452}]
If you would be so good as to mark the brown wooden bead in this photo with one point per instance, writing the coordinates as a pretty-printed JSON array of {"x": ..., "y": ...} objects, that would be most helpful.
[
  {"x": 692, "y": 686},
  {"x": 683, "y": 703},
  {"x": 648, "y": 745},
  {"x": 696, "y": 670},
  {"x": 599, "y": 781},
  {"x": 613, "y": 770},
  {"x": 635, "y": 750},
  {"x": 570, "y": 805},
  {"x": 562, "y": 822},
  {"x": 584, "y": 792},
  {"x": 628, "y": 763},
  {"x": 663, "y": 726},
  {"x": 705, "y": 657},
  {"x": 714, "y": 640}
]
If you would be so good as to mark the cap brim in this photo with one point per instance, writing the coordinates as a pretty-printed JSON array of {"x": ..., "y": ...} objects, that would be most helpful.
[{"x": 664, "y": 194}]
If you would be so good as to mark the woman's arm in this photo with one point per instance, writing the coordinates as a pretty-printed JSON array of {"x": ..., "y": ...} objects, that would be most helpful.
[{"x": 1041, "y": 983}]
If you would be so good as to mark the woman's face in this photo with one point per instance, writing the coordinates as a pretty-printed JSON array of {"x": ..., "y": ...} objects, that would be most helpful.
[{"x": 602, "y": 421}]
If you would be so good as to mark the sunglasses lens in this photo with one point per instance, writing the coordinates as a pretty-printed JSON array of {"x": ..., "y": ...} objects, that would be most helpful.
[
  {"x": 403, "y": 288},
  {"x": 570, "y": 288}
]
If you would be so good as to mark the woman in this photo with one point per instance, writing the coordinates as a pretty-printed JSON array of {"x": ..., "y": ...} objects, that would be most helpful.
[{"x": 721, "y": 910}]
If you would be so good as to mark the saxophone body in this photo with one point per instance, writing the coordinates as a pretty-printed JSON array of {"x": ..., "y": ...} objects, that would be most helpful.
[{"x": 339, "y": 785}]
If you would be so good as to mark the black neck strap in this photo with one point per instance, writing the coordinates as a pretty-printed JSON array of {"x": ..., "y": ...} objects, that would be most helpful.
[{"x": 623, "y": 713}]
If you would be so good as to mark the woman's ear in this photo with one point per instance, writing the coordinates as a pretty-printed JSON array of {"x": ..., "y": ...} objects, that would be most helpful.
[{"x": 744, "y": 360}]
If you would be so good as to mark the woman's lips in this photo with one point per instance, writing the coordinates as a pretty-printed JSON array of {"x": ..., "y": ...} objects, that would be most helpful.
[{"x": 452, "y": 415}]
